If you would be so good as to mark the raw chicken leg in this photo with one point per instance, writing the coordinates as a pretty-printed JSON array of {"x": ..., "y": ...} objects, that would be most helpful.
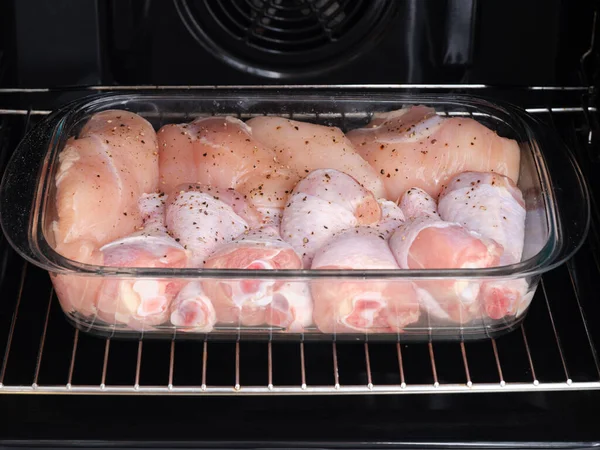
[
  {"x": 269, "y": 194},
  {"x": 489, "y": 204},
  {"x": 305, "y": 147},
  {"x": 369, "y": 306},
  {"x": 493, "y": 206},
  {"x": 425, "y": 241},
  {"x": 141, "y": 302},
  {"x": 257, "y": 301},
  {"x": 100, "y": 178},
  {"x": 236, "y": 200},
  {"x": 414, "y": 147},
  {"x": 221, "y": 152},
  {"x": 325, "y": 202},
  {"x": 192, "y": 310},
  {"x": 392, "y": 217},
  {"x": 201, "y": 223}
]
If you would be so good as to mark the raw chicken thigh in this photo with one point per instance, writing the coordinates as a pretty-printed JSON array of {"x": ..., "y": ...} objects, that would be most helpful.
[
  {"x": 221, "y": 152},
  {"x": 425, "y": 241},
  {"x": 100, "y": 178},
  {"x": 369, "y": 306},
  {"x": 200, "y": 222},
  {"x": 325, "y": 202},
  {"x": 305, "y": 147},
  {"x": 257, "y": 301},
  {"x": 144, "y": 301},
  {"x": 414, "y": 147},
  {"x": 493, "y": 206}
]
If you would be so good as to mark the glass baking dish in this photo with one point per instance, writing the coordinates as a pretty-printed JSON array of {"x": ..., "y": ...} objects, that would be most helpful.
[{"x": 556, "y": 198}]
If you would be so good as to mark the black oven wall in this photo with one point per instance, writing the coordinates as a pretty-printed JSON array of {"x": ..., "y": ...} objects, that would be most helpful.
[{"x": 195, "y": 42}]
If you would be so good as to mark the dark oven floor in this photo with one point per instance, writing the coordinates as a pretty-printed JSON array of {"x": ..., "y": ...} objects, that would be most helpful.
[{"x": 538, "y": 383}]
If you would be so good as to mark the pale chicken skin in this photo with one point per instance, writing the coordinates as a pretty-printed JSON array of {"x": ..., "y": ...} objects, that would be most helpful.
[
  {"x": 222, "y": 152},
  {"x": 101, "y": 175},
  {"x": 392, "y": 217},
  {"x": 425, "y": 241},
  {"x": 258, "y": 301},
  {"x": 415, "y": 147},
  {"x": 142, "y": 302},
  {"x": 305, "y": 147},
  {"x": 201, "y": 223},
  {"x": 325, "y": 202},
  {"x": 493, "y": 206},
  {"x": 231, "y": 197},
  {"x": 368, "y": 306}
]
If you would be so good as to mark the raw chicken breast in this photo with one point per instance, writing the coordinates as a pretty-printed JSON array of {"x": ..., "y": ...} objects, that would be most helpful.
[
  {"x": 201, "y": 223},
  {"x": 325, "y": 202},
  {"x": 142, "y": 302},
  {"x": 414, "y": 147},
  {"x": 493, "y": 206},
  {"x": 192, "y": 310},
  {"x": 257, "y": 301},
  {"x": 425, "y": 241},
  {"x": 221, "y": 152},
  {"x": 101, "y": 175},
  {"x": 305, "y": 147},
  {"x": 369, "y": 306}
]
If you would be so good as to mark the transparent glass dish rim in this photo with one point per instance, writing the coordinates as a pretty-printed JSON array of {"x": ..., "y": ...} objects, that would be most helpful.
[{"x": 40, "y": 252}]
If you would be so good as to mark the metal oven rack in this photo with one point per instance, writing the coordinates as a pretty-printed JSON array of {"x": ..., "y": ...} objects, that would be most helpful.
[{"x": 554, "y": 349}]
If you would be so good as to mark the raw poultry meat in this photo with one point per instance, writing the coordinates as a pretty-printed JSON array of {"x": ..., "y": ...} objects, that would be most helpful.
[
  {"x": 222, "y": 152},
  {"x": 235, "y": 199},
  {"x": 490, "y": 204},
  {"x": 305, "y": 147},
  {"x": 325, "y": 202},
  {"x": 270, "y": 193},
  {"x": 192, "y": 310},
  {"x": 415, "y": 147},
  {"x": 392, "y": 217},
  {"x": 381, "y": 306},
  {"x": 493, "y": 206},
  {"x": 200, "y": 222},
  {"x": 257, "y": 301},
  {"x": 142, "y": 302},
  {"x": 425, "y": 241},
  {"x": 101, "y": 175},
  {"x": 77, "y": 293}
]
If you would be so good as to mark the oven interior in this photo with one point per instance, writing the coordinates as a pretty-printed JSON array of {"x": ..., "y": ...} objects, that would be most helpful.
[{"x": 533, "y": 386}]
